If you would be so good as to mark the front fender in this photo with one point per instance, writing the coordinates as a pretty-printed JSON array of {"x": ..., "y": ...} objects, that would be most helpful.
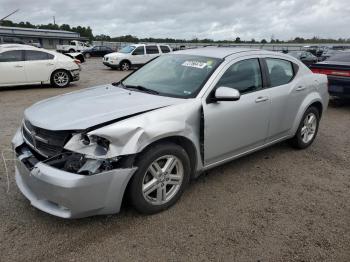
[{"x": 132, "y": 135}]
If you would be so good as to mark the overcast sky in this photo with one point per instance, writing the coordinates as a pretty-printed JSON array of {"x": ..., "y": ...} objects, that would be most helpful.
[{"x": 215, "y": 19}]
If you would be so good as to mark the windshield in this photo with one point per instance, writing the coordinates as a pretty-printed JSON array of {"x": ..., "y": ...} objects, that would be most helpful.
[
  {"x": 174, "y": 75},
  {"x": 127, "y": 49}
]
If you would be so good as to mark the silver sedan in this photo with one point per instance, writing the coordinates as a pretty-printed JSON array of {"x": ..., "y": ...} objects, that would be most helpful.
[{"x": 145, "y": 137}]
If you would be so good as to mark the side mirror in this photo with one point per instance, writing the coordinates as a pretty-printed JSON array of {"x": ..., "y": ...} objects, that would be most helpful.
[{"x": 223, "y": 93}]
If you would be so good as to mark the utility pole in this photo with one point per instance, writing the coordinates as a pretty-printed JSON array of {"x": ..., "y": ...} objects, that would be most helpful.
[
  {"x": 54, "y": 20},
  {"x": 2, "y": 19}
]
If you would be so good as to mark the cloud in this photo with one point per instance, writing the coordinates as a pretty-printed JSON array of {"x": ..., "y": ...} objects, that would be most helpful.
[{"x": 220, "y": 19}]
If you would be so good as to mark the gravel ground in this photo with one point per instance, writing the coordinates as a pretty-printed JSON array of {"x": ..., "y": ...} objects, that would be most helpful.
[{"x": 278, "y": 204}]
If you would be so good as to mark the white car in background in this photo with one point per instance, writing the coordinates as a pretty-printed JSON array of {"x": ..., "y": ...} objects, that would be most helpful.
[
  {"x": 28, "y": 65},
  {"x": 134, "y": 55}
]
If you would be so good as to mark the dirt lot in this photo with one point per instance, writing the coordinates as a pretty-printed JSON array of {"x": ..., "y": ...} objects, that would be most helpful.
[{"x": 276, "y": 205}]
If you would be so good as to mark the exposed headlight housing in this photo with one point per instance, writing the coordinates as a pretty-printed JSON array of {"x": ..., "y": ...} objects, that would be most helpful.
[{"x": 100, "y": 144}]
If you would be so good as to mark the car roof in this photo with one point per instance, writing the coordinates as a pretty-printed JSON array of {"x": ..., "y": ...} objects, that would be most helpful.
[
  {"x": 216, "y": 52},
  {"x": 17, "y": 47}
]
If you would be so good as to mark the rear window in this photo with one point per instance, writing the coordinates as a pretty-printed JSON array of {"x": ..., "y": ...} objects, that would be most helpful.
[
  {"x": 165, "y": 49},
  {"x": 32, "y": 55},
  {"x": 345, "y": 57},
  {"x": 152, "y": 49},
  {"x": 280, "y": 71}
]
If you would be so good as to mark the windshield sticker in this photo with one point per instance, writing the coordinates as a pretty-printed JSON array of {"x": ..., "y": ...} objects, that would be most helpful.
[
  {"x": 195, "y": 64},
  {"x": 210, "y": 64}
]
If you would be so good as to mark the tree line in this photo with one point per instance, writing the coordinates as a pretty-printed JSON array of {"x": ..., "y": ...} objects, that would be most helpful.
[{"x": 87, "y": 32}]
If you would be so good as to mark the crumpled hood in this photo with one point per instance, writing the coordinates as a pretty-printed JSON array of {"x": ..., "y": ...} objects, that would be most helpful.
[{"x": 89, "y": 107}]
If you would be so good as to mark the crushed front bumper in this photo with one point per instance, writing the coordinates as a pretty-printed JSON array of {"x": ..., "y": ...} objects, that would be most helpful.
[{"x": 70, "y": 195}]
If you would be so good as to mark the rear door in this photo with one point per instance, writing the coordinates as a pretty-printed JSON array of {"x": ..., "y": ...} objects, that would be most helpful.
[
  {"x": 286, "y": 92},
  {"x": 152, "y": 51},
  {"x": 12, "y": 68},
  {"x": 38, "y": 66}
]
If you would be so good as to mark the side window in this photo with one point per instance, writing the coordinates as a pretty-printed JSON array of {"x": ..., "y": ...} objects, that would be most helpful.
[
  {"x": 280, "y": 71},
  {"x": 32, "y": 55},
  {"x": 152, "y": 49},
  {"x": 11, "y": 56},
  {"x": 245, "y": 76},
  {"x": 139, "y": 51},
  {"x": 165, "y": 49}
]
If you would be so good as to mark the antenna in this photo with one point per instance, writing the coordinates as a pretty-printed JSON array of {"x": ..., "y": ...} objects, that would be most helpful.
[{"x": 2, "y": 19}]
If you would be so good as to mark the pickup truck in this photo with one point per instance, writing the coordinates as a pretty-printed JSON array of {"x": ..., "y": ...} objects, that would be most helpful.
[
  {"x": 73, "y": 47},
  {"x": 337, "y": 69}
]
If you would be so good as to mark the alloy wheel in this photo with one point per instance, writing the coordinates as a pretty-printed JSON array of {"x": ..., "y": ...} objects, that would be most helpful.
[
  {"x": 125, "y": 66},
  {"x": 309, "y": 128},
  {"x": 162, "y": 180},
  {"x": 61, "y": 78}
]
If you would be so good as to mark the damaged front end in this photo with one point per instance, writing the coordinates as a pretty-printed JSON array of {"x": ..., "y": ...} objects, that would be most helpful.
[{"x": 67, "y": 183}]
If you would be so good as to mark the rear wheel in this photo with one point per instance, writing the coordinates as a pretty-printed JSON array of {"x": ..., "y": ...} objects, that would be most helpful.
[
  {"x": 71, "y": 50},
  {"x": 87, "y": 55},
  {"x": 307, "y": 130},
  {"x": 162, "y": 175},
  {"x": 60, "y": 78}
]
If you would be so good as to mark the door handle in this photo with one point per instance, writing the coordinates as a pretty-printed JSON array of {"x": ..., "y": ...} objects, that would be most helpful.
[
  {"x": 300, "y": 88},
  {"x": 49, "y": 64},
  {"x": 18, "y": 66},
  {"x": 261, "y": 99}
]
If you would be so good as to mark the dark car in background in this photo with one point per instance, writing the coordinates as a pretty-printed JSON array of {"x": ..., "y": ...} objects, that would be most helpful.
[
  {"x": 97, "y": 51},
  {"x": 306, "y": 57},
  {"x": 328, "y": 53},
  {"x": 337, "y": 69}
]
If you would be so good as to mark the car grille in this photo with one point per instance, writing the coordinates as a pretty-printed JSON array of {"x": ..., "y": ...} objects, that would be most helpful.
[{"x": 46, "y": 142}]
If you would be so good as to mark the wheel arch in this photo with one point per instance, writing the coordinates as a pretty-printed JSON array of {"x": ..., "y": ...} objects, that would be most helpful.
[
  {"x": 182, "y": 141},
  {"x": 125, "y": 60},
  {"x": 313, "y": 99}
]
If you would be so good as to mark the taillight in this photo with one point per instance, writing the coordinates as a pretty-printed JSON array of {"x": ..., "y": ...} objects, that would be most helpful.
[
  {"x": 331, "y": 72},
  {"x": 77, "y": 61}
]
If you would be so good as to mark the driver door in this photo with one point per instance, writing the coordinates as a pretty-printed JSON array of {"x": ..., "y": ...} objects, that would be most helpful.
[
  {"x": 232, "y": 128},
  {"x": 138, "y": 56}
]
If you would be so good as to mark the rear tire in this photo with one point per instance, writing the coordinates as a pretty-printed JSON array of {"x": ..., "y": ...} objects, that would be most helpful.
[
  {"x": 60, "y": 78},
  {"x": 307, "y": 130},
  {"x": 87, "y": 55},
  {"x": 154, "y": 187},
  {"x": 71, "y": 50}
]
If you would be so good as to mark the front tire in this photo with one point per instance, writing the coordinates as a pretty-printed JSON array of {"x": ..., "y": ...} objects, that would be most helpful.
[
  {"x": 87, "y": 55},
  {"x": 60, "y": 78},
  {"x": 307, "y": 129},
  {"x": 125, "y": 66},
  {"x": 162, "y": 175}
]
